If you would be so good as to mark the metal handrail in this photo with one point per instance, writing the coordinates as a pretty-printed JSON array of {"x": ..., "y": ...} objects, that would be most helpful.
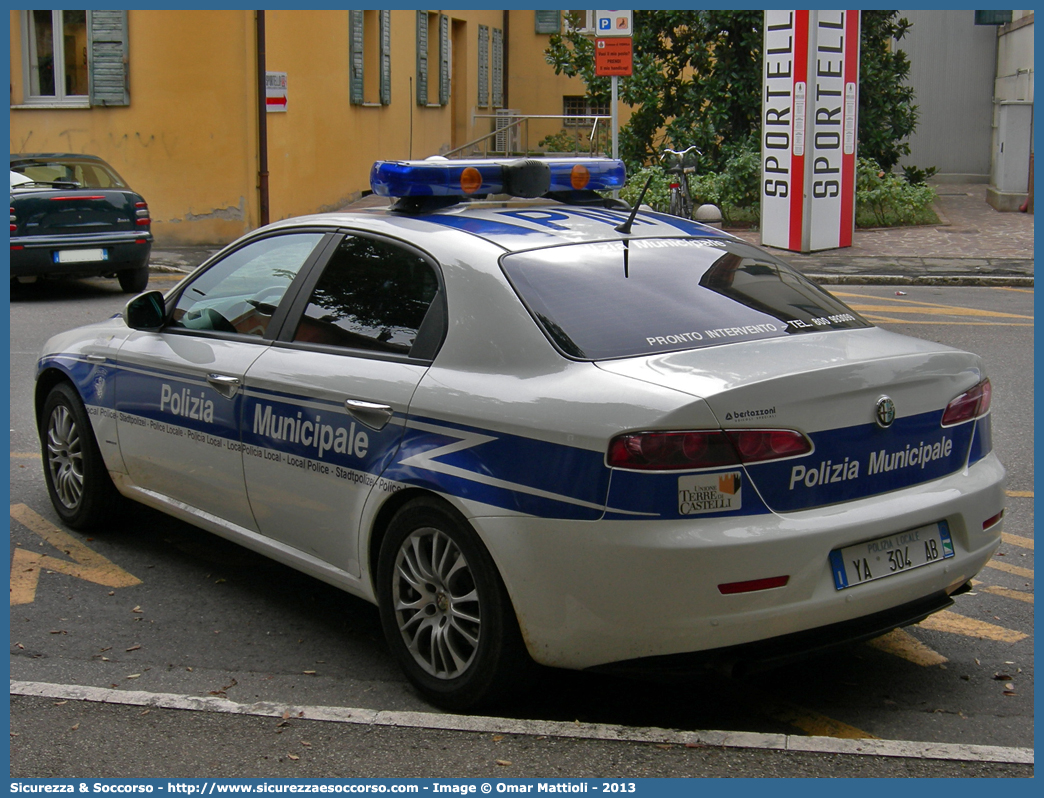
[{"x": 464, "y": 150}]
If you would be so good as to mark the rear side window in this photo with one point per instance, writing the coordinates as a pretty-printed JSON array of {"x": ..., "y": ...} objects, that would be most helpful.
[
  {"x": 373, "y": 295},
  {"x": 610, "y": 299}
]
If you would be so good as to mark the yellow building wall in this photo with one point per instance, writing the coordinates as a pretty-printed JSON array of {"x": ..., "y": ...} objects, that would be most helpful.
[
  {"x": 188, "y": 140},
  {"x": 185, "y": 142},
  {"x": 534, "y": 86}
]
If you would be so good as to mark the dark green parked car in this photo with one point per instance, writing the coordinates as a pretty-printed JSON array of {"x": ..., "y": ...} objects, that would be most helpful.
[{"x": 73, "y": 216}]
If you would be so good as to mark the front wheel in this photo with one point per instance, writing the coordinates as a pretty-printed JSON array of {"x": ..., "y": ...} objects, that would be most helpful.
[
  {"x": 445, "y": 612},
  {"x": 77, "y": 481}
]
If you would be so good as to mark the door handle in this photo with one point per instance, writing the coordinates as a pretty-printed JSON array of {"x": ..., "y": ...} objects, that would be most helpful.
[
  {"x": 224, "y": 385},
  {"x": 375, "y": 416}
]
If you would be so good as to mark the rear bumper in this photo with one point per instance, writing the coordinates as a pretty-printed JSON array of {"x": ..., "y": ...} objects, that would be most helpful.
[
  {"x": 32, "y": 256},
  {"x": 778, "y": 651},
  {"x": 600, "y": 592}
]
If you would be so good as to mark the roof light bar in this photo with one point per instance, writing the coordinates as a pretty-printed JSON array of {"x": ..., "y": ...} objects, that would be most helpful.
[{"x": 516, "y": 177}]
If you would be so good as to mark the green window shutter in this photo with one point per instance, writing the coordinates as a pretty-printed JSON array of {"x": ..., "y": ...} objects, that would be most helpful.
[
  {"x": 107, "y": 54},
  {"x": 483, "y": 66},
  {"x": 497, "y": 57},
  {"x": 422, "y": 58},
  {"x": 355, "y": 57},
  {"x": 548, "y": 21},
  {"x": 444, "y": 60},
  {"x": 385, "y": 57}
]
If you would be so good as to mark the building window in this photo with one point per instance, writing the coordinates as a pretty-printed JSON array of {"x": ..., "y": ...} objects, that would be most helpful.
[
  {"x": 433, "y": 58},
  {"x": 57, "y": 57},
  {"x": 547, "y": 21},
  {"x": 577, "y": 109},
  {"x": 369, "y": 45},
  {"x": 483, "y": 66},
  {"x": 497, "y": 58},
  {"x": 75, "y": 58}
]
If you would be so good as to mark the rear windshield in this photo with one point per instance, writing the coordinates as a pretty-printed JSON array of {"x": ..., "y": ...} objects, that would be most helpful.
[
  {"x": 84, "y": 174},
  {"x": 611, "y": 299}
]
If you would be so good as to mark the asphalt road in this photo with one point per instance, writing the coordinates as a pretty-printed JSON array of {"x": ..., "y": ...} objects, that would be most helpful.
[{"x": 174, "y": 610}]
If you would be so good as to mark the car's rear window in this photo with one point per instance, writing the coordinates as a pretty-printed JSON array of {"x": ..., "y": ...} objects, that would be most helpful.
[
  {"x": 611, "y": 299},
  {"x": 84, "y": 174}
]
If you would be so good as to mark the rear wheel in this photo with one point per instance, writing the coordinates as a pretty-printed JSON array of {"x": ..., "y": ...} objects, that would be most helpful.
[
  {"x": 445, "y": 612},
  {"x": 134, "y": 281},
  {"x": 77, "y": 481}
]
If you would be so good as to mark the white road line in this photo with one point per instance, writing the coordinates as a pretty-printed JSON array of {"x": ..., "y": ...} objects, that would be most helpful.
[{"x": 577, "y": 731}]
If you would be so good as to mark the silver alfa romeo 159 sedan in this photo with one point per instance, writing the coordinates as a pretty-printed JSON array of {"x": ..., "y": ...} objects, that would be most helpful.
[{"x": 531, "y": 424}]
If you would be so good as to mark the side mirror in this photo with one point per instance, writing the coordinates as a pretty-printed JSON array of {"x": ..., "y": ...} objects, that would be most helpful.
[{"x": 145, "y": 312}]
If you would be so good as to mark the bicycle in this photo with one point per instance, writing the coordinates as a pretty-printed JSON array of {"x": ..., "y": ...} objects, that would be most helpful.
[{"x": 680, "y": 163}]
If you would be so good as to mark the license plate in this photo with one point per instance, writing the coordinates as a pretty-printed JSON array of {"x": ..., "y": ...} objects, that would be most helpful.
[
  {"x": 888, "y": 556},
  {"x": 80, "y": 255}
]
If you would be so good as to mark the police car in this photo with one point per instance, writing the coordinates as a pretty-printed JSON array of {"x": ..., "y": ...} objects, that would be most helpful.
[{"x": 545, "y": 429}]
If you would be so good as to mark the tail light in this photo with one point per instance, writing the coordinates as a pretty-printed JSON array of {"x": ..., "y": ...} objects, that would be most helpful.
[
  {"x": 676, "y": 451},
  {"x": 14, "y": 221},
  {"x": 969, "y": 405},
  {"x": 142, "y": 212}
]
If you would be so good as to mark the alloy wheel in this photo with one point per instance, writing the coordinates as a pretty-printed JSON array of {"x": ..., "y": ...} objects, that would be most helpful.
[{"x": 436, "y": 603}]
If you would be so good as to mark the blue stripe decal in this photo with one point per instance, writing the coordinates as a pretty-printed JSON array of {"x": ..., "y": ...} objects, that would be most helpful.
[
  {"x": 522, "y": 474},
  {"x": 861, "y": 461},
  {"x": 686, "y": 226},
  {"x": 327, "y": 440},
  {"x": 94, "y": 381},
  {"x": 484, "y": 227}
]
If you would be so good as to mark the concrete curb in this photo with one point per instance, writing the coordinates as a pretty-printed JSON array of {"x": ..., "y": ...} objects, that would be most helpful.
[
  {"x": 996, "y": 281},
  {"x": 490, "y": 725}
]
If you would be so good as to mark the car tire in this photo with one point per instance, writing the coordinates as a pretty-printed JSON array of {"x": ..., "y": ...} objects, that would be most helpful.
[
  {"x": 134, "y": 281},
  {"x": 77, "y": 481},
  {"x": 445, "y": 612}
]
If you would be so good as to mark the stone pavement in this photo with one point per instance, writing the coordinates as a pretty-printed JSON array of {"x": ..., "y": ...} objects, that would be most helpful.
[{"x": 973, "y": 245}]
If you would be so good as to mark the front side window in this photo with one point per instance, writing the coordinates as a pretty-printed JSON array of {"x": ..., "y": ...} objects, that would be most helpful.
[
  {"x": 650, "y": 295},
  {"x": 373, "y": 295},
  {"x": 57, "y": 55},
  {"x": 241, "y": 292}
]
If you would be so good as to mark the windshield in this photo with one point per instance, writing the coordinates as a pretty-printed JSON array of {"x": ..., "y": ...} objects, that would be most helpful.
[
  {"x": 85, "y": 174},
  {"x": 645, "y": 296}
]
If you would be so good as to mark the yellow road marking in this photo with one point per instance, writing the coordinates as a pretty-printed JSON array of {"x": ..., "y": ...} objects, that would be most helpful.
[
  {"x": 26, "y": 455},
  {"x": 1017, "y": 540},
  {"x": 812, "y": 723},
  {"x": 939, "y": 310},
  {"x": 903, "y": 644},
  {"x": 997, "y": 565},
  {"x": 1018, "y": 595},
  {"x": 953, "y": 623},
  {"x": 1013, "y": 288},
  {"x": 899, "y": 305},
  {"x": 887, "y": 320},
  {"x": 1019, "y": 494},
  {"x": 26, "y": 566}
]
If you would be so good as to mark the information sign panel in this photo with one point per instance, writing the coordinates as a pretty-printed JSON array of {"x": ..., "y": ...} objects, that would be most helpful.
[
  {"x": 613, "y": 56},
  {"x": 809, "y": 123},
  {"x": 275, "y": 91}
]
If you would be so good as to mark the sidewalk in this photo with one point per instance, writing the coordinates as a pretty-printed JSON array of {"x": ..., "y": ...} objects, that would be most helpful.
[{"x": 973, "y": 245}]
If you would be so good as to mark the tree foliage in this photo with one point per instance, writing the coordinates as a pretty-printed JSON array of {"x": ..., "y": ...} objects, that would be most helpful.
[{"x": 697, "y": 81}]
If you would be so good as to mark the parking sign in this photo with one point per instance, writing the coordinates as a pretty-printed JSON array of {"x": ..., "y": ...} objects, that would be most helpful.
[{"x": 613, "y": 23}]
